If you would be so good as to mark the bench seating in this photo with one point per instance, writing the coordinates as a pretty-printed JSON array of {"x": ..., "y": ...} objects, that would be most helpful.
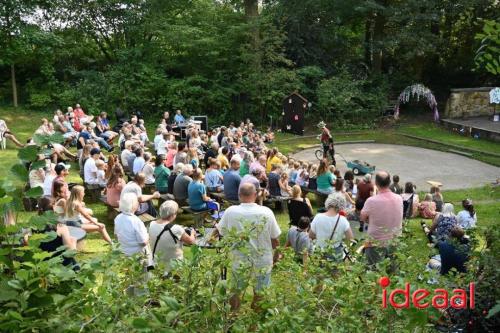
[
  {"x": 93, "y": 192},
  {"x": 320, "y": 197},
  {"x": 113, "y": 212},
  {"x": 198, "y": 216}
]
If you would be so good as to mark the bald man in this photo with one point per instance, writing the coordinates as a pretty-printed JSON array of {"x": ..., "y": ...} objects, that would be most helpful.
[{"x": 259, "y": 224}]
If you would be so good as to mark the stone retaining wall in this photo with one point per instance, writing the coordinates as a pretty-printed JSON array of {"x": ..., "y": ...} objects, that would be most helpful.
[{"x": 469, "y": 102}]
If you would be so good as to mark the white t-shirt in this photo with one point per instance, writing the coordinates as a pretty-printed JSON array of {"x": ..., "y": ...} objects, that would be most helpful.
[
  {"x": 138, "y": 165},
  {"x": 148, "y": 171},
  {"x": 465, "y": 221},
  {"x": 260, "y": 222},
  {"x": 101, "y": 178},
  {"x": 131, "y": 233},
  {"x": 323, "y": 225},
  {"x": 47, "y": 185},
  {"x": 161, "y": 147},
  {"x": 156, "y": 140},
  {"x": 124, "y": 157},
  {"x": 167, "y": 249},
  {"x": 132, "y": 187},
  {"x": 90, "y": 172}
]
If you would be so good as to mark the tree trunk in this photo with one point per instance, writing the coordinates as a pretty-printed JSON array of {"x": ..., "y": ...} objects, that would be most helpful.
[
  {"x": 368, "y": 40},
  {"x": 14, "y": 84},
  {"x": 378, "y": 35},
  {"x": 251, "y": 8}
]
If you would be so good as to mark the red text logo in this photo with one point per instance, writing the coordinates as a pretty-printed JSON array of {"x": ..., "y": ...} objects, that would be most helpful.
[{"x": 422, "y": 298}]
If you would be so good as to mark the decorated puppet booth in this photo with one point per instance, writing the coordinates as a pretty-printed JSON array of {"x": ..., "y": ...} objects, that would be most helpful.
[
  {"x": 294, "y": 109},
  {"x": 417, "y": 91}
]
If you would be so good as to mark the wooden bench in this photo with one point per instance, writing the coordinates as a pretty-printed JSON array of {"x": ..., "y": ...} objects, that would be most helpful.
[
  {"x": 92, "y": 192},
  {"x": 282, "y": 202},
  {"x": 198, "y": 216},
  {"x": 114, "y": 211},
  {"x": 320, "y": 197}
]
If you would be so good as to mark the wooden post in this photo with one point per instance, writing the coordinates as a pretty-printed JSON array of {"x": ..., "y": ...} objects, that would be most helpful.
[{"x": 14, "y": 85}]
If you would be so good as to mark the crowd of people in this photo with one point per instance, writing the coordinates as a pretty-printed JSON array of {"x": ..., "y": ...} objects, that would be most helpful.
[{"x": 233, "y": 164}]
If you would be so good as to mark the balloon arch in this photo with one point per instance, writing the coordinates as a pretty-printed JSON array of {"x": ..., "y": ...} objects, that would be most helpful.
[{"x": 419, "y": 91}]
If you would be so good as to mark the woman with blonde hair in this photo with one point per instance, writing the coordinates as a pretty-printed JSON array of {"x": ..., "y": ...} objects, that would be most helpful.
[
  {"x": 298, "y": 206},
  {"x": 285, "y": 189},
  {"x": 76, "y": 214},
  {"x": 427, "y": 208}
]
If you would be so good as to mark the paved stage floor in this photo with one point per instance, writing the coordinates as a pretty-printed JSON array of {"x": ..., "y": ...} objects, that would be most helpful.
[
  {"x": 484, "y": 123},
  {"x": 415, "y": 164}
]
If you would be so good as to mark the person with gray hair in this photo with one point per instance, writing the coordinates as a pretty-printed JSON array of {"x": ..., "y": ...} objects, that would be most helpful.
[
  {"x": 261, "y": 234},
  {"x": 330, "y": 228},
  {"x": 167, "y": 238},
  {"x": 181, "y": 184},
  {"x": 129, "y": 229},
  {"x": 444, "y": 222}
]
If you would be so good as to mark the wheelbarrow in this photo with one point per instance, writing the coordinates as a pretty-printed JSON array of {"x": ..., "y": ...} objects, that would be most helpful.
[{"x": 359, "y": 167}]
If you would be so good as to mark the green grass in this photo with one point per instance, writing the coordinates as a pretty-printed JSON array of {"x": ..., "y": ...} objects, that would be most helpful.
[{"x": 487, "y": 199}]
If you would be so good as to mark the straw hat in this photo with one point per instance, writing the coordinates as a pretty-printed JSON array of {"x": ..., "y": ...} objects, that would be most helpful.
[{"x": 434, "y": 183}]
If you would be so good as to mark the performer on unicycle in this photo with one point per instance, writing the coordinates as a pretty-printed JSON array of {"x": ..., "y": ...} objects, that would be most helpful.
[{"x": 327, "y": 142}]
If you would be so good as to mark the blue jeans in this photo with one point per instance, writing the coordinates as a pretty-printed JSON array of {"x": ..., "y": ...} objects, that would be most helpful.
[{"x": 103, "y": 143}]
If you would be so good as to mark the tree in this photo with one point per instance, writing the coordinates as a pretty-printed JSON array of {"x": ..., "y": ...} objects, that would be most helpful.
[{"x": 488, "y": 54}]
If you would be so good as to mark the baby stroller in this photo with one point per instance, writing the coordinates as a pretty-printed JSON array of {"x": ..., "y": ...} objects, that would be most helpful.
[{"x": 121, "y": 117}]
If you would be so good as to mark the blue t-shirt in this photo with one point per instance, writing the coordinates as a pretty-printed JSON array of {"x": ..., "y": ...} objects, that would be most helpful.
[
  {"x": 213, "y": 179},
  {"x": 232, "y": 181},
  {"x": 179, "y": 119},
  {"x": 196, "y": 191}
]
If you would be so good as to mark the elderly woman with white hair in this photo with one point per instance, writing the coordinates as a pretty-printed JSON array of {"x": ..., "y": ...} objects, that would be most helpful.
[
  {"x": 330, "y": 228},
  {"x": 129, "y": 229},
  {"x": 166, "y": 237},
  {"x": 444, "y": 222}
]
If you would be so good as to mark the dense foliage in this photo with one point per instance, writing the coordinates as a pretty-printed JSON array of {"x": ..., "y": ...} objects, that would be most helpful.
[{"x": 229, "y": 58}]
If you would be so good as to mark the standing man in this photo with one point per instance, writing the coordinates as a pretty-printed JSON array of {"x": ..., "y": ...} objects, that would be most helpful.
[
  {"x": 327, "y": 142},
  {"x": 254, "y": 255},
  {"x": 384, "y": 215}
]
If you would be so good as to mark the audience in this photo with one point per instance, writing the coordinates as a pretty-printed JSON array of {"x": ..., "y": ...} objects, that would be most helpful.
[
  {"x": 298, "y": 238},
  {"x": 129, "y": 229},
  {"x": 467, "y": 217},
  {"x": 181, "y": 184},
  {"x": 135, "y": 186},
  {"x": 197, "y": 193},
  {"x": 232, "y": 180},
  {"x": 427, "y": 208},
  {"x": 114, "y": 186},
  {"x": 444, "y": 222}
]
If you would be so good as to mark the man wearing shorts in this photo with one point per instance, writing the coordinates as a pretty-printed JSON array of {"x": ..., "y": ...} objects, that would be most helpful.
[
  {"x": 327, "y": 142},
  {"x": 253, "y": 256}
]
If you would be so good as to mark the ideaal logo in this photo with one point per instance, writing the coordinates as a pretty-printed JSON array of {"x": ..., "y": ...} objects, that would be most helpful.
[{"x": 439, "y": 298}]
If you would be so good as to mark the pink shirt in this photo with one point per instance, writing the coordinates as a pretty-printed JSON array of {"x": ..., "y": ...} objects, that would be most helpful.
[
  {"x": 384, "y": 213},
  {"x": 169, "y": 160},
  {"x": 113, "y": 193}
]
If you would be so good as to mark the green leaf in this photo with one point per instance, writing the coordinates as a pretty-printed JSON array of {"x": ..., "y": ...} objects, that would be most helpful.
[
  {"x": 34, "y": 192},
  {"x": 20, "y": 172},
  {"x": 140, "y": 323},
  {"x": 28, "y": 153},
  {"x": 493, "y": 311}
]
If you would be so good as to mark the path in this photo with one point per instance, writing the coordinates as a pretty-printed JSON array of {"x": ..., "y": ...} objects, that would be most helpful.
[{"x": 415, "y": 164}]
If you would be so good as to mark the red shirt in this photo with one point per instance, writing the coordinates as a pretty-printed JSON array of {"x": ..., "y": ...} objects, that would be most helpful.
[{"x": 364, "y": 190}]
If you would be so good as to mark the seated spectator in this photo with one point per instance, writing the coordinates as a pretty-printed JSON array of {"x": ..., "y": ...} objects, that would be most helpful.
[
  {"x": 77, "y": 215},
  {"x": 298, "y": 238},
  {"x": 293, "y": 172},
  {"x": 454, "y": 252},
  {"x": 410, "y": 200},
  {"x": 330, "y": 228},
  {"x": 135, "y": 187},
  {"x": 129, "y": 229},
  {"x": 427, "y": 208},
  {"x": 444, "y": 222},
  {"x": 349, "y": 181},
  {"x": 114, "y": 186},
  {"x": 325, "y": 179},
  {"x": 298, "y": 206},
  {"x": 80, "y": 114},
  {"x": 302, "y": 175},
  {"x": 272, "y": 158},
  {"x": 90, "y": 172},
  {"x": 437, "y": 197},
  {"x": 181, "y": 155},
  {"x": 467, "y": 218},
  {"x": 102, "y": 142},
  {"x": 60, "y": 195},
  {"x": 245, "y": 163},
  {"x": 223, "y": 159},
  {"x": 197, "y": 193},
  {"x": 161, "y": 174},
  {"x": 173, "y": 175},
  {"x": 285, "y": 189},
  {"x": 273, "y": 184},
  {"x": 340, "y": 188},
  {"x": 355, "y": 214},
  {"x": 101, "y": 173},
  {"x": 181, "y": 184},
  {"x": 103, "y": 129},
  {"x": 232, "y": 180},
  {"x": 139, "y": 161},
  {"x": 50, "y": 175},
  {"x": 131, "y": 158},
  {"x": 212, "y": 152},
  {"x": 395, "y": 187},
  {"x": 171, "y": 153},
  {"x": 312, "y": 182},
  {"x": 126, "y": 153},
  {"x": 167, "y": 238},
  {"x": 213, "y": 176},
  {"x": 148, "y": 168}
]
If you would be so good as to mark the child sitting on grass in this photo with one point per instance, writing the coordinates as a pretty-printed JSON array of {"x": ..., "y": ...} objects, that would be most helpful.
[{"x": 298, "y": 239}]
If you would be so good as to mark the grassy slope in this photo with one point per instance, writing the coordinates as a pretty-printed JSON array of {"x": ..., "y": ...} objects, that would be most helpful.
[{"x": 487, "y": 199}]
